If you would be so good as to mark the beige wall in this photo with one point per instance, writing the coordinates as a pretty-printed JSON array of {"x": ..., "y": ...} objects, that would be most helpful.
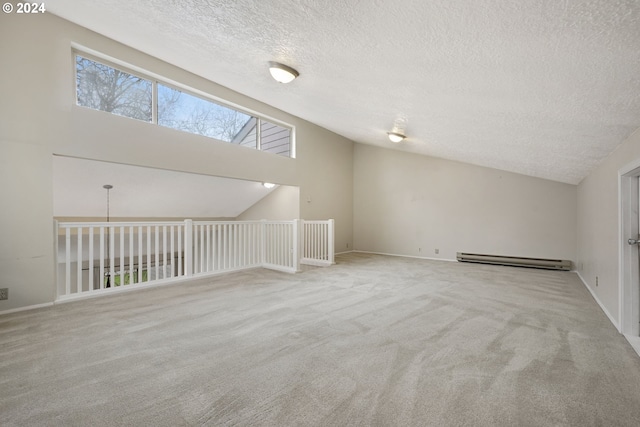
[
  {"x": 38, "y": 118},
  {"x": 26, "y": 247},
  {"x": 404, "y": 202},
  {"x": 282, "y": 204},
  {"x": 329, "y": 184},
  {"x": 598, "y": 225}
]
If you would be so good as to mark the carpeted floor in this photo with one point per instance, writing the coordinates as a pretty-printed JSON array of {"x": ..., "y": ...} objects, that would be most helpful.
[{"x": 371, "y": 341}]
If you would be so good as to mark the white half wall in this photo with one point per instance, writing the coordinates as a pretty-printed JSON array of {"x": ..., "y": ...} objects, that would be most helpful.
[
  {"x": 598, "y": 225},
  {"x": 408, "y": 204}
]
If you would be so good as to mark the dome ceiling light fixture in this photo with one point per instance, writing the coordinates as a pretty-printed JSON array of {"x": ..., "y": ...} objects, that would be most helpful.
[
  {"x": 397, "y": 133},
  {"x": 396, "y": 136},
  {"x": 282, "y": 73}
]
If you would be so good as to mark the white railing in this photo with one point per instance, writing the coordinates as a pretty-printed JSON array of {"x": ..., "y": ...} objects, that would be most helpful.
[
  {"x": 96, "y": 256},
  {"x": 280, "y": 249},
  {"x": 226, "y": 246},
  {"x": 103, "y": 257},
  {"x": 317, "y": 243}
]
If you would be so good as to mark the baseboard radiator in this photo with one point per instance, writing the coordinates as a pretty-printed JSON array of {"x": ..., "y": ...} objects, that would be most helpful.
[{"x": 549, "y": 264}]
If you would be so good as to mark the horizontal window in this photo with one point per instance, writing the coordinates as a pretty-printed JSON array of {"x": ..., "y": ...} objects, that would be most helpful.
[
  {"x": 106, "y": 88},
  {"x": 189, "y": 113}
]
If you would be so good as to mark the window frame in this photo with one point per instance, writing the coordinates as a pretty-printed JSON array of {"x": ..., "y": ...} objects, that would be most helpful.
[{"x": 155, "y": 79}]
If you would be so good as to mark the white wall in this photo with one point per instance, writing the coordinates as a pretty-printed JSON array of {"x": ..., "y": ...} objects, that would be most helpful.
[
  {"x": 26, "y": 246},
  {"x": 404, "y": 202},
  {"x": 329, "y": 182},
  {"x": 39, "y": 118},
  {"x": 146, "y": 192},
  {"x": 598, "y": 222},
  {"x": 282, "y": 204}
]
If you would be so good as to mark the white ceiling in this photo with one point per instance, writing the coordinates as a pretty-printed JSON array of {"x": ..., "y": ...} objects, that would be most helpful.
[
  {"x": 144, "y": 192},
  {"x": 546, "y": 88}
]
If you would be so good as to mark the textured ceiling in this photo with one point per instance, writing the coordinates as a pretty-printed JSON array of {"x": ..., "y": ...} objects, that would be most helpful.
[
  {"x": 546, "y": 88},
  {"x": 146, "y": 192}
]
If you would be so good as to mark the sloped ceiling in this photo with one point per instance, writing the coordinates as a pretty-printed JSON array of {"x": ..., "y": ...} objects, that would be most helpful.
[
  {"x": 148, "y": 193},
  {"x": 539, "y": 87}
]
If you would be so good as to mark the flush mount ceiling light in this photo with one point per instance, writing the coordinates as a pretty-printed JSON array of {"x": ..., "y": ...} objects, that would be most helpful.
[
  {"x": 397, "y": 133},
  {"x": 268, "y": 185},
  {"x": 395, "y": 136},
  {"x": 282, "y": 73}
]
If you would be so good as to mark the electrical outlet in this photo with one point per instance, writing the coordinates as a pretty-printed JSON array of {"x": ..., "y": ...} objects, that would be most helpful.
[
  {"x": 596, "y": 280},
  {"x": 419, "y": 249},
  {"x": 437, "y": 251},
  {"x": 347, "y": 246},
  {"x": 4, "y": 293}
]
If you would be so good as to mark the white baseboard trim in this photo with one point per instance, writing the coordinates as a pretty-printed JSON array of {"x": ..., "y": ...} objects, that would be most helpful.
[
  {"x": 635, "y": 342},
  {"x": 602, "y": 307},
  {"x": 25, "y": 308},
  {"x": 406, "y": 256},
  {"x": 345, "y": 252}
]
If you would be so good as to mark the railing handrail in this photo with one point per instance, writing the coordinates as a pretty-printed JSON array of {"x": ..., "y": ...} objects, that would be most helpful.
[
  {"x": 118, "y": 224},
  {"x": 167, "y": 223},
  {"x": 261, "y": 221}
]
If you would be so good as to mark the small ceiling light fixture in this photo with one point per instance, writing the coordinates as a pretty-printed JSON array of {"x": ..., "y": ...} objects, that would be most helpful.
[
  {"x": 396, "y": 136},
  {"x": 268, "y": 184},
  {"x": 282, "y": 73},
  {"x": 397, "y": 133}
]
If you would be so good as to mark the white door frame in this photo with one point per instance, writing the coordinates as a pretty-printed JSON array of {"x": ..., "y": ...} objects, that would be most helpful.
[{"x": 629, "y": 273}]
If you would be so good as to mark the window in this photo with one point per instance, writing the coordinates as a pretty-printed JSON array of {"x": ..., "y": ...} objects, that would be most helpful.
[
  {"x": 189, "y": 113},
  {"x": 106, "y": 88}
]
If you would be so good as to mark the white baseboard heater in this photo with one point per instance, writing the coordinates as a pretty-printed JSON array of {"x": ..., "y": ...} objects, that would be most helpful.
[{"x": 550, "y": 264}]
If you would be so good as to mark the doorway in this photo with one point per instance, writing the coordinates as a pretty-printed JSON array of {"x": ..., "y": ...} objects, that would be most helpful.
[{"x": 629, "y": 286}]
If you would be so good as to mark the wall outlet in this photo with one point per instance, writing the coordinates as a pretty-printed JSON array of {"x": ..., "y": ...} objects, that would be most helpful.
[
  {"x": 4, "y": 293},
  {"x": 437, "y": 251},
  {"x": 419, "y": 249},
  {"x": 347, "y": 246},
  {"x": 596, "y": 280}
]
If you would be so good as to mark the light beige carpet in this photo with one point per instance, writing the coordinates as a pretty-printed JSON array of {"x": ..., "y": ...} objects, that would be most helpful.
[{"x": 371, "y": 341}]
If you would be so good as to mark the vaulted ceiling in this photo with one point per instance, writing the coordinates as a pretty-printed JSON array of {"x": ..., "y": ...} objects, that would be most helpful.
[{"x": 546, "y": 88}]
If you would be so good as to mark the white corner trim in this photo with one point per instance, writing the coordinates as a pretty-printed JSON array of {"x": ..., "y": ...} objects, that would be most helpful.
[
  {"x": 602, "y": 307},
  {"x": 25, "y": 308}
]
